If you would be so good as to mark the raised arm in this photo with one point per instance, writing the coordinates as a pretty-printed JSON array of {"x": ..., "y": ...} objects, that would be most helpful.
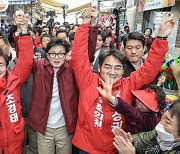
[
  {"x": 25, "y": 54},
  {"x": 147, "y": 73},
  {"x": 80, "y": 60}
]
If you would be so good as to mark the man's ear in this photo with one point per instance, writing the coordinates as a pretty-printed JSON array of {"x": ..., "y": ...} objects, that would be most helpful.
[
  {"x": 145, "y": 50},
  {"x": 98, "y": 68},
  {"x": 122, "y": 49}
]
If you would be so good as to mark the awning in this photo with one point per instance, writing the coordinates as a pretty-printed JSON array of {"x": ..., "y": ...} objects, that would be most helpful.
[
  {"x": 80, "y": 8},
  {"x": 51, "y": 3},
  {"x": 15, "y": 2}
]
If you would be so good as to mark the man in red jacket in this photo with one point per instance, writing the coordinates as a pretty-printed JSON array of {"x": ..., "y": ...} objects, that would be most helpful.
[
  {"x": 11, "y": 120},
  {"x": 96, "y": 118}
]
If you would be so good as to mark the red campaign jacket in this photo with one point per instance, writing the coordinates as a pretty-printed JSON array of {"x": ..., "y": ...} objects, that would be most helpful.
[
  {"x": 11, "y": 120},
  {"x": 43, "y": 74},
  {"x": 37, "y": 42},
  {"x": 96, "y": 118}
]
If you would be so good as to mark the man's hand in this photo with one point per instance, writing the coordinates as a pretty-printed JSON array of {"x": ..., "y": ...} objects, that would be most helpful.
[
  {"x": 94, "y": 15},
  {"x": 166, "y": 26},
  {"x": 107, "y": 89},
  {"x": 87, "y": 16},
  {"x": 21, "y": 21},
  {"x": 24, "y": 25}
]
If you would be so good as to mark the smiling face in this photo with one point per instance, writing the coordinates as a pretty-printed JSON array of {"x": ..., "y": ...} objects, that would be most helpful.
[
  {"x": 45, "y": 41},
  {"x": 3, "y": 67},
  {"x": 112, "y": 67},
  {"x": 56, "y": 56},
  {"x": 170, "y": 124}
]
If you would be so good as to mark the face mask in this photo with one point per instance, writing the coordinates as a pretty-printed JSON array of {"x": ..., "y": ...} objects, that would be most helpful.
[{"x": 163, "y": 134}]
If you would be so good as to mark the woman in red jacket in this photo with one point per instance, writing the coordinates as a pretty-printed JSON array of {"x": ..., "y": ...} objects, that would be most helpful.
[{"x": 11, "y": 120}]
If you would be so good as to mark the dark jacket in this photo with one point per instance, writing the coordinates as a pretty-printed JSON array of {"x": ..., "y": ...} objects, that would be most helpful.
[
  {"x": 43, "y": 74},
  {"x": 95, "y": 66},
  {"x": 142, "y": 140},
  {"x": 10, "y": 33},
  {"x": 137, "y": 121},
  {"x": 129, "y": 68}
]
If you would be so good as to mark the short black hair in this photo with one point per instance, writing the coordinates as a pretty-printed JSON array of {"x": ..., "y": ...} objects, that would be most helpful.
[
  {"x": 149, "y": 29},
  {"x": 36, "y": 30},
  {"x": 108, "y": 32},
  {"x": 115, "y": 53},
  {"x": 57, "y": 41},
  {"x": 5, "y": 56},
  {"x": 44, "y": 27},
  {"x": 61, "y": 31},
  {"x": 44, "y": 35},
  {"x": 134, "y": 36},
  {"x": 102, "y": 34},
  {"x": 71, "y": 36}
]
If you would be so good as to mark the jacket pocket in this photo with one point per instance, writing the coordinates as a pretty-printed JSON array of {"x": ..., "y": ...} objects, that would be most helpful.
[{"x": 19, "y": 127}]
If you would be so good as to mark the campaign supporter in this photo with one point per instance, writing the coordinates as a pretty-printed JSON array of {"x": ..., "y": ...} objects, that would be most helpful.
[
  {"x": 164, "y": 139},
  {"x": 95, "y": 117},
  {"x": 101, "y": 36},
  {"x": 11, "y": 120},
  {"x": 148, "y": 106}
]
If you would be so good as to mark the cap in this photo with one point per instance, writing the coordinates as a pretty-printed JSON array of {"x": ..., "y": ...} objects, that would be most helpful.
[{"x": 148, "y": 97}]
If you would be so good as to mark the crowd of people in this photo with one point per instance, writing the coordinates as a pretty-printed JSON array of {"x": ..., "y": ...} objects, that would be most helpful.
[{"x": 69, "y": 90}]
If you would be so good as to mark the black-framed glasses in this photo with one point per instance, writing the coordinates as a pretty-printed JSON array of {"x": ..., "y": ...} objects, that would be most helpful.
[{"x": 59, "y": 55}]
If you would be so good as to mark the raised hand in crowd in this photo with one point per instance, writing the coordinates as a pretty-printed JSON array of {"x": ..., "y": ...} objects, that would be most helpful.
[
  {"x": 94, "y": 15},
  {"x": 21, "y": 21},
  {"x": 107, "y": 89},
  {"x": 166, "y": 26},
  {"x": 161, "y": 80},
  {"x": 89, "y": 16}
]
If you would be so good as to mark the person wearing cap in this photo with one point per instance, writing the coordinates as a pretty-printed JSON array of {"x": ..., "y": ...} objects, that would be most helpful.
[
  {"x": 164, "y": 139},
  {"x": 146, "y": 112}
]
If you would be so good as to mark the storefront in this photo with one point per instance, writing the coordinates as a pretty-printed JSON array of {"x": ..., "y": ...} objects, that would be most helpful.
[{"x": 153, "y": 11}]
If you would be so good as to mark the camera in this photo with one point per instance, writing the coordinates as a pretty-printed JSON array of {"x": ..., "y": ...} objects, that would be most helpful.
[{"x": 118, "y": 10}]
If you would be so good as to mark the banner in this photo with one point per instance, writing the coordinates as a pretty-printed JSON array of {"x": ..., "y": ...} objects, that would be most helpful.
[
  {"x": 3, "y": 5},
  {"x": 145, "y": 5}
]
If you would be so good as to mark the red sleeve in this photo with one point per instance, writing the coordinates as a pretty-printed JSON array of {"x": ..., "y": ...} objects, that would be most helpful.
[
  {"x": 149, "y": 70},
  {"x": 80, "y": 60},
  {"x": 25, "y": 58}
]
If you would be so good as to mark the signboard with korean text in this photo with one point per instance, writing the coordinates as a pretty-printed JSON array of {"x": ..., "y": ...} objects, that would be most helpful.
[
  {"x": 3, "y": 5},
  {"x": 145, "y": 5}
]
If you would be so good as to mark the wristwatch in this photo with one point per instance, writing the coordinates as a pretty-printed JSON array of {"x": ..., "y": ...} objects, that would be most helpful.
[
  {"x": 26, "y": 34},
  {"x": 162, "y": 38}
]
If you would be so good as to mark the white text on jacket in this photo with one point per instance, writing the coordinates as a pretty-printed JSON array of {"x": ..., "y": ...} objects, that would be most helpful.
[{"x": 10, "y": 102}]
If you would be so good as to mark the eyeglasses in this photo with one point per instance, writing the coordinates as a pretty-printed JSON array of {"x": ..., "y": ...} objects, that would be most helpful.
[{"x": 59, "y": 55}]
